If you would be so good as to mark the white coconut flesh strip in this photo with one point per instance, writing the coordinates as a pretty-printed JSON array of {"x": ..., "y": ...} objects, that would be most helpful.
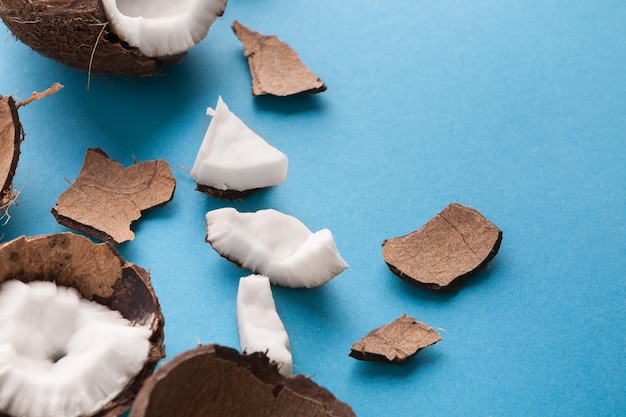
[
  {"x": 62, "y": 355},
  {"x": 260, "y": 327},
  {"x": 233, "y": 157},
  {"x": 162, "y": 27},
  {"x": 276, "y": 245}
]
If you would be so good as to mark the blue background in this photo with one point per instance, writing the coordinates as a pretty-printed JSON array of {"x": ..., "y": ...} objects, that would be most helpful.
[{"x": 515, "y": 108}]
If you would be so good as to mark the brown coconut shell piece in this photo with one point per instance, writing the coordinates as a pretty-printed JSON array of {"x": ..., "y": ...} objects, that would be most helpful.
[
  {"x": 106, "y": 197},
  {"x": 452, "y": 246},
  {"x": 76, "y": 33},
  {"x": 100, "y": 274},
  {"x": 395, "y": 342},
  {"x": 276, "y": 69},
  {"x": 11, "y": 137},
  {"x": 213, "y": 380}
]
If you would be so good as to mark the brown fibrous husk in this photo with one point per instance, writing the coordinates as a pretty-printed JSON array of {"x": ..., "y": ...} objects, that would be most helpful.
[
  {"x": 213, "y": 380},
  {"x": 99, "y": 274},
  {"x": 76, "y": 33}
]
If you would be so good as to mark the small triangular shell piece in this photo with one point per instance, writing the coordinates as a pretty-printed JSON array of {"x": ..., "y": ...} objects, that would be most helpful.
[
  {"x": 276, "y": 69},
  {"x": 276, "y": 245},
  {"x": 233, "y": 160},
  {"x": 395, "y": 342}
]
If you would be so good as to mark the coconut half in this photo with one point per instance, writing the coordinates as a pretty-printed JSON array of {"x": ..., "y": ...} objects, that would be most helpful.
[
  {"x": 118, "y": 37},
  {"x": 217, "y": 381},
  {"x": 99, "y": 275}
]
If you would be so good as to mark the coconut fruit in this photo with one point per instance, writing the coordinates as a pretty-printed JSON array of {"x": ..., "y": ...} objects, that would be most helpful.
[
  {"x": 11, "y": 136},
  {"x": 214, "y": 380},
  {"x": 100, "y": 276},
  {"x": 118, "y": 37}
]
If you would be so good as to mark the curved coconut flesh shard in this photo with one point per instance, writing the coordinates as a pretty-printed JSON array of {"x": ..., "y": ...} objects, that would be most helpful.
[
  {"x": 447, "y": 250},
  {"x": 62, "y": 355},
  {"x": 276, "y": 245},
  {"x": 395, "y": 342},
  {"x": 99, "y": 274},
  {"x": 217, "y": 381},
  {"x": 260, "y": 327},
  {"x": 162, "y": 27},
  {"x": 233, "y": 161}
]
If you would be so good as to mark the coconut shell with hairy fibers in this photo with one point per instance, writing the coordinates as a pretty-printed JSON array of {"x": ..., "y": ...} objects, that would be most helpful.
[
  {"x": 99, "y": 274},
  {"x": 11, "y": 136},
  {"x": 76, "y": 33},
  {"x": 213, "y": 380}
]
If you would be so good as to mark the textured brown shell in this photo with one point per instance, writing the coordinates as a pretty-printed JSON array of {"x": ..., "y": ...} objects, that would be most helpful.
[
  {"x": 217, "y": 381},
  {"x": 100, "y": 274},
  {"x": 71, "y": 31},
  {"x": 11, "y": 136}
]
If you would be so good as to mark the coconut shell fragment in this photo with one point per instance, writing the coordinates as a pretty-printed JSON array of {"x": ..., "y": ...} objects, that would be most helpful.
[
  {"x": 99, "y": 274},
  {"x": 275, "y": 67},
  {"x": 451, "y": 247},
  {"x": 395, "y": 342},
  {"x": 106, "y": 197},
  {"x": 213, "y": 380},
  {"x": 11, "y": 137}
]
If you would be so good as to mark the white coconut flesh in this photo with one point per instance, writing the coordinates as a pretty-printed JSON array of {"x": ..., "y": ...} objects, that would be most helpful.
[
  {"x": 233, "y": 157},
  {"x": 260, "y": 327},
  {"x": 162, "y": 27},
  {"x": 276, "y": 245},
  {"x": 62, "y": 355}
]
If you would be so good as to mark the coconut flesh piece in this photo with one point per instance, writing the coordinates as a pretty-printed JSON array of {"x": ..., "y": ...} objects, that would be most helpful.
[
  {"x": 162, "y": 27},
  {"x": 233, "y": 157},
  {"x": 276, "y": 245},
  {"x": 260, "y": 327},
  {"x": 62, "y": 355}
]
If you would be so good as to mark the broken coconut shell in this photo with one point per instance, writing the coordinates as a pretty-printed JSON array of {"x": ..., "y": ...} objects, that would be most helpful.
[
  {"x": 213, "y": 380},
  {"x": 275, "y": 67},
  {"x": 11, "y": 136},
  {"x": 395, "y": 342},
  {"x": 99, "y": 274},
  {"x": 77, "y": 33},
  {"x": 451, "y": 247},
  {"x": 106, "y": 197}
]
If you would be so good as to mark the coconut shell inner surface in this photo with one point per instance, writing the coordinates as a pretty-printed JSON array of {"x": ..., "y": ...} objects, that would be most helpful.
[
  {"x": 100, "y": 274},
  {"x": 216, "y": 381},
  {"x": 76, "y": 33}
]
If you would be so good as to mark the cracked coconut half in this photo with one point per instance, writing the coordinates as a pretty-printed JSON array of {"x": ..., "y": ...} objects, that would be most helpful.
[
  {"x": 119, "y": 37},
  {"x": 217, "y": 381},
  {"x": 80, "y": 328}
]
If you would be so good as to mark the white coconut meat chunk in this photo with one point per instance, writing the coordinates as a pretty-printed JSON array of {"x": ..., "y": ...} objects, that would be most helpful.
[
  {"x": 233, "y": 157},
  {"x": 162, "y": 27},
  {"x": 276, "y": 245},
  {"x": 62, "y": 355},
  {"x": 260, "y": 327}
]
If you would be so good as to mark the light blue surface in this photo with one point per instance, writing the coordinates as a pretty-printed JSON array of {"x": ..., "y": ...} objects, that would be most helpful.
[{"x": 517, "y": 109}]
